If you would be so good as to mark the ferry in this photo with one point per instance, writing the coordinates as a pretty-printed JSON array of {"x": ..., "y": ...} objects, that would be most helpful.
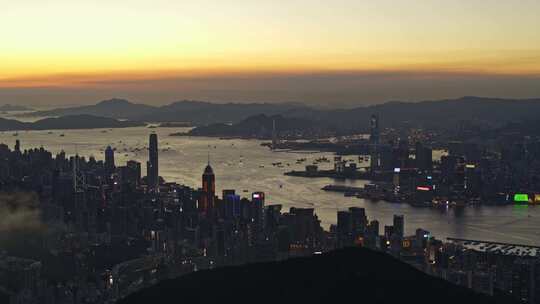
[{"x": 321, "y": 160}]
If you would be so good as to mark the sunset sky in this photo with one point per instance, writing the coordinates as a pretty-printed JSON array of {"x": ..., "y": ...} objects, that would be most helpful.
[{"x": 340, "y": 52}]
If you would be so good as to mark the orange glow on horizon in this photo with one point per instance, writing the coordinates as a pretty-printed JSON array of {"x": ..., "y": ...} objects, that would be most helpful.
[
  {"x": 73, "y": 43},
  {"x": 72, "y": 72}
]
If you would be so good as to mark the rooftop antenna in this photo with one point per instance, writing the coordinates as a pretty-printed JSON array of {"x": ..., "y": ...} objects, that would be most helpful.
[{"x": 209, "y": 155}]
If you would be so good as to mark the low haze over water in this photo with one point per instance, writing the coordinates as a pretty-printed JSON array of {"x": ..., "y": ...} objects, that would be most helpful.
[{"x": 246, "y": 165}]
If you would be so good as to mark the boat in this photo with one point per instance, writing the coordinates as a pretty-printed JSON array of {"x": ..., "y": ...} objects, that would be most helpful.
[
  {"x": 62, "y": 135},
  {"x": 322, "y": 160}
]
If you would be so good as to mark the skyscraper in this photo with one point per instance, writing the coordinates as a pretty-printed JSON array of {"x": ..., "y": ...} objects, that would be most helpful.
[
  {"x": 135, "y": 167},
  {"x": 358, "y": 221},
  {"x": 374, "y": 129},
  {"x": 399, "y": 225},
  {"x": 258, "y": 208},
  {"x": 374, "y": 142},
  {"x": 274, "y": 135},
  {"x": 344, "y": 228},
  {"x": 109, "y": 160},
  {"x": 208, "y": 189},
  {"x": 423, "y": 157},
  {"x": 152, "y": 167}
]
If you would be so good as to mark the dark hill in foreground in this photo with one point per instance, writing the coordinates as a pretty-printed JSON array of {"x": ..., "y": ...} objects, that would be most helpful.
[{"x": 345, "y": 276}]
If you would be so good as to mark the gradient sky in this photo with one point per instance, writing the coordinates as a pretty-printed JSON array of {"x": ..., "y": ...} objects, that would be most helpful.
[{"x": 339, "y": 52}]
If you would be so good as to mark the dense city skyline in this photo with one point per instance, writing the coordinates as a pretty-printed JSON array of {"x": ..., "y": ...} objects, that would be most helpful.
[
  {"x": 350, "y": 52},
  {"x": 132, "y": 232},
  {"x": 293, "y": 151}
]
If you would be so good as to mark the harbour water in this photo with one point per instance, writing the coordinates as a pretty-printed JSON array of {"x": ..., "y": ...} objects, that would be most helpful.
[{"x": 247, "y": 166}]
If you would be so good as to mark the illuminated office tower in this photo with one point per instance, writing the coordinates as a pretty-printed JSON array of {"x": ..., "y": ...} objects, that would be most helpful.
[{"x": 208, "y": 189}]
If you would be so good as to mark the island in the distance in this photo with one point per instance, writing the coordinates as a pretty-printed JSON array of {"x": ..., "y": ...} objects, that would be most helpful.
[
  {"x": 67, "y": 123},
  {"x": 262, "y": 127},
  {"x": 13, "y": 108}
]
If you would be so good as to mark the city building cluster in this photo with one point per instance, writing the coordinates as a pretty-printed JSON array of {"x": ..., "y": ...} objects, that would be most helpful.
[
  {"x": 106, "y": 231},
  {"x": 506, "y": 171}
]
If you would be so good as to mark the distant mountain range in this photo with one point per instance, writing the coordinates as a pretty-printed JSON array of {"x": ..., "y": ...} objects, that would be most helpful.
[
  {"x": 428, "y": 114},
  {"x": 448, "y": 113},
  {"x": 13, "y": 108},
  {"x": 351, "y": 275},
  {"x": 194, "y": 112},
  {"x": 66, "y": 122}
]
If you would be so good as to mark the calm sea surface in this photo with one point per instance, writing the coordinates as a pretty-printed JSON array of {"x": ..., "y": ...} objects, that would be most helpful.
[{"x": 246, "y": 166}]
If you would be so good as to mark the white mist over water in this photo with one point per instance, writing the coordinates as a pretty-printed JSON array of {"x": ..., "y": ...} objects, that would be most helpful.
[{"x": 246, "y": 165}]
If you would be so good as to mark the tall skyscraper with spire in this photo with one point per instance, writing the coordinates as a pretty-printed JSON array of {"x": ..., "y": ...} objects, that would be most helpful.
[
  {"x": 152, "y": 166},
  {"x": 208, "y": 189}
]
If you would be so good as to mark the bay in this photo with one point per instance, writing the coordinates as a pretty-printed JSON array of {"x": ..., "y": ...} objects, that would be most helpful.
[{"x": 246, "y": 166}]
